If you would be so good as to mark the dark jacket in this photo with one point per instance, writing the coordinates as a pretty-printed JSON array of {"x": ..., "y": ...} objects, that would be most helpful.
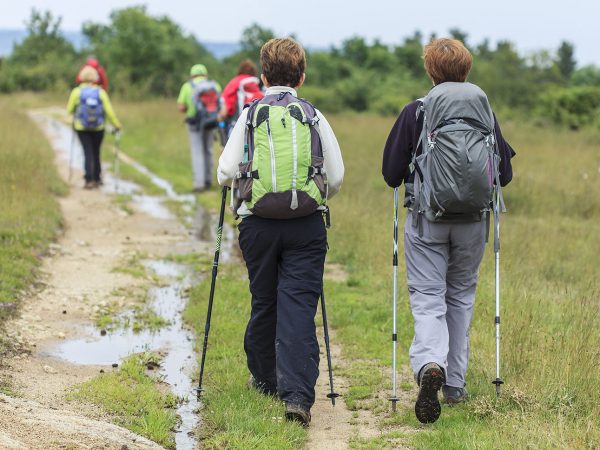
[{"x": 403, "y": 139}]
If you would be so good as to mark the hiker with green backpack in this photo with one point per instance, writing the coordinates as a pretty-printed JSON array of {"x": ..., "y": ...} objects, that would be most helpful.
[
  {"x": 448, "y": 150},
  {"x": 200, "y": 100},
  {"x": 91, "y": 108},
  {"x": 284, "y": 163}
]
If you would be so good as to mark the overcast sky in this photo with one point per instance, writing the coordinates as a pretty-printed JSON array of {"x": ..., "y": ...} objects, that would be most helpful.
[{"x": 531, "y": 24}]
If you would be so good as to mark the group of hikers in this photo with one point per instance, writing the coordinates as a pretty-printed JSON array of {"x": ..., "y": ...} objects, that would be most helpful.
[{"x": 283, "y": 163}]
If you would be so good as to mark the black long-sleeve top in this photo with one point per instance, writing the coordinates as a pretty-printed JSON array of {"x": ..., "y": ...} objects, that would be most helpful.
[{"x": 403, "y": 138}]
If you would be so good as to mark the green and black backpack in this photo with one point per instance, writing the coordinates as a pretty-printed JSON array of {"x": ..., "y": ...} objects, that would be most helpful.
[{"x": 281, "y": 175}]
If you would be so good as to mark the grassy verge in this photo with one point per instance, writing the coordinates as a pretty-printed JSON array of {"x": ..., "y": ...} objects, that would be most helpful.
[
  {"x": 550, "y": 297},
  {"x": 29, "y": 213},
  {"x": 233, "y": 416},
  {"x": 134, "y": 400}
]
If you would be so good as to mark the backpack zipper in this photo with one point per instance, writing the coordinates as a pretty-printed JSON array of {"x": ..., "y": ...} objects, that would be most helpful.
[
  {"x": 272, "y": 151},
  {"x": 294, "y": 203}
]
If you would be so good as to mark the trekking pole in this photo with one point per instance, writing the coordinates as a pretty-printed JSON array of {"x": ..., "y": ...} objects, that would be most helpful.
[
  {"x": 498, "y": 381},
  {"x": 215, "y": 269},
  {"x": 71, "y": 152},
  {"x": 116, "y": 161},
  {"x": 332, "y": 394},
  {"x": 394, "y": 398}
]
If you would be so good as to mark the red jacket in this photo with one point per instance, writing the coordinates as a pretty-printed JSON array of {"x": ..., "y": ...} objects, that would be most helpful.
[
  {"x": 230, "y": 93},
  {"x": 103, "y": 81}
]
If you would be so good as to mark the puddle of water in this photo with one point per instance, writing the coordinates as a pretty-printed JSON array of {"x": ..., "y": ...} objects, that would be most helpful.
[
  {"x": 168, "y": 301},
  {"x": 177, "y": 366}
]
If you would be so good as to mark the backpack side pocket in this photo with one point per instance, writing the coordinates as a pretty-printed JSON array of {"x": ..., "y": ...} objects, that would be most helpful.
[
  {"x": 244, "y": 182},
  {"x": 318, "y": 175}
]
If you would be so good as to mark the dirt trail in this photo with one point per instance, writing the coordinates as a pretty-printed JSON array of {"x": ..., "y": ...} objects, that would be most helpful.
[{"x": 78, "y": 280}]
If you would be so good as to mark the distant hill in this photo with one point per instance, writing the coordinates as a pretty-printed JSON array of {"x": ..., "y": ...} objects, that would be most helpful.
[{"x": 8, "y": 38}]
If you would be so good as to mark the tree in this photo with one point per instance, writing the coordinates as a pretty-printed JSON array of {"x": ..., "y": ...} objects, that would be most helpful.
[
  {"x": 44, "y": 60},
  {"x": 254, "y": 37},
  {"x": 566, "y": 60},
  {"x": 151, "y": 54},
  {"x": 43, "y": 39}
]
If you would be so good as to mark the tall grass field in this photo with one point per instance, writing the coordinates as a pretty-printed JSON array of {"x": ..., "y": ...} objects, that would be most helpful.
[{"x": 550, "y": 240}]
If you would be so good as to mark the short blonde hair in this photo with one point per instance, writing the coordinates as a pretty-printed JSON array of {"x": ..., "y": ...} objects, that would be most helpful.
[
  {"x": 88, "y": 75},
  {"x": 447, "y": 60},
  {"x": 283, "y": 62}
]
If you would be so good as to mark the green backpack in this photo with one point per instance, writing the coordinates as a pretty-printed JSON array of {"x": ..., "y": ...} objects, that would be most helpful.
[{"x": 282, "y": 174}]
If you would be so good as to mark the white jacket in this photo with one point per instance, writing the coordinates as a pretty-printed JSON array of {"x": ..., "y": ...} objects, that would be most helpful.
[{"x": 234, "y": 151}]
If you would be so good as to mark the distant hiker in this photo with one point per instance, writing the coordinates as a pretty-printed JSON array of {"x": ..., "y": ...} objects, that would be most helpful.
[
  {"x": 91, "y": 108},
  {"x": 102, "y": 77},
  {"x": 200, "y": 100},
  {"x": 243, "y": 89},
  {"x": 286, "y": 163},
  {"x": 447, "y": 223}
]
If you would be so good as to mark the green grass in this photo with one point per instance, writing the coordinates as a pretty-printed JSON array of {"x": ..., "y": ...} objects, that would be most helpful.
[
  {"x": 29, "y": 213},
  {"x": 154, "y": 133},
  {"x": 233, "y": 416},
  {"x": 550, "y": 297},
  {"x": 133, "y": 399}
]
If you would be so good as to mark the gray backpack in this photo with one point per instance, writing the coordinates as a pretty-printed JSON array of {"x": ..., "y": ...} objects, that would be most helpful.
[{"x": 458, "y": 168}]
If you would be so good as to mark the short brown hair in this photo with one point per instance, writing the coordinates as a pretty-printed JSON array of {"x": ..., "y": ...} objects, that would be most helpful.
[
  {"x": 447, "y": 60},
  {"x": 247, "y": 67},
  {"x": 283, "y": 62}
]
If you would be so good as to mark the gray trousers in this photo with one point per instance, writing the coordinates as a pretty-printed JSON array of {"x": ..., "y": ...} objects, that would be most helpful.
[
  {"x": 201, "y": 142},
  {"x": 442, "y": 267}
]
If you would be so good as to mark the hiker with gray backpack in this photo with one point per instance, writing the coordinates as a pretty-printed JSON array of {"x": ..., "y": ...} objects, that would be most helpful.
[
  {"x": 200, "y": 100},
  {"x": 284, "y": 162},
  {"x": 91, "y": 109},
  {"x": 448, "y": 150}
]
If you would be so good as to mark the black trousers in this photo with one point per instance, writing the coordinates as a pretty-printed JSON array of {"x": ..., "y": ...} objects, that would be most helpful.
[
  {"x": 285, "y": 261},
  {"x": 91, "y": 142}
]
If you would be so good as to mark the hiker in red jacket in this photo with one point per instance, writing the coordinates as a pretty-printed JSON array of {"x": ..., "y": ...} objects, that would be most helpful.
[
  {"x": 102, "y": 80},
  {"x": 242, "y": 89}
]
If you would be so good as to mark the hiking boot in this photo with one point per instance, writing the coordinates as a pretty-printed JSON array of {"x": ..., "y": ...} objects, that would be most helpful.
[
  {"x": 89, "y": 185},
  {"x": 261, "y": 387},
  {"x": 297, "y": 413},
  {"x": 427, "y": 406},
  {"x": 198, "y": 190},
  {"x": 454, "y": 395}
]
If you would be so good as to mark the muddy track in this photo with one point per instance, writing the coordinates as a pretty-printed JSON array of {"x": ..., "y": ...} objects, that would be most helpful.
[{"x": 78, "y": 279}]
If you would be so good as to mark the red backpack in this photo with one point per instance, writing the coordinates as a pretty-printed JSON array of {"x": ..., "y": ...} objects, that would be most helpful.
[
  {"x": 207, "y": 100},
  {"x": 248, "y": 91}
]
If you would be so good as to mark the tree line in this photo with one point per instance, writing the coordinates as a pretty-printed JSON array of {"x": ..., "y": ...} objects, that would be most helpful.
[{"x": 150, "y": 56}]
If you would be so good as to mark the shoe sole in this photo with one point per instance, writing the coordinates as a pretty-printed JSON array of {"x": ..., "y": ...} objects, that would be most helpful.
[
  {"x": 427, "y": 407},
  {"x": 297, "y": 417}
]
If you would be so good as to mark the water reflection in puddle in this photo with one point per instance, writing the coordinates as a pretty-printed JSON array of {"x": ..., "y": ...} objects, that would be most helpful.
[{"x": 174, "y": 339}]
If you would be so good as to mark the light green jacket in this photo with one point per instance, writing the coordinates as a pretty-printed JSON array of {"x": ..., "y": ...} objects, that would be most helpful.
[{"x": 106, "y": 105}]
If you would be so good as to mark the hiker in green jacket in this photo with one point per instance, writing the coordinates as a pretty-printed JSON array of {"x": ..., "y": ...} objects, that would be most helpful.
[
  {"x": 90, "y": 106},
  {"x": 200, "y": 100}
]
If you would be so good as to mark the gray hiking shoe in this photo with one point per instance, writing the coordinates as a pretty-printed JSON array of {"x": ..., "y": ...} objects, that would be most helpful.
[
  {"x": 454, "y": 395},
  {"x": 427, "y": 406},
  {"x": 263, "y": 388},
  {"x": 297, "y": 413}
]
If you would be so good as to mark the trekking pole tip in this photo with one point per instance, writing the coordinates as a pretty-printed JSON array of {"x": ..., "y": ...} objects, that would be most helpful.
[
  {"x": 394, "y": 400},
  {"x": 498, "y": 382},
  {"x": 332, "y": 396}
]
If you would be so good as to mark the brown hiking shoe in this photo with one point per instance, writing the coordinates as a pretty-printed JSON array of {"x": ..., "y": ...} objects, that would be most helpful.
[
  {"x": 297, "y": 413},
  {"x": 427, "y": 406},
  {"x": 454, "y": 395}
]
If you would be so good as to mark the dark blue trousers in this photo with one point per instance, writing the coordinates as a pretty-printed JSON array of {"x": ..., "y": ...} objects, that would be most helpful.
[{"x": 285, "y": 261}]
